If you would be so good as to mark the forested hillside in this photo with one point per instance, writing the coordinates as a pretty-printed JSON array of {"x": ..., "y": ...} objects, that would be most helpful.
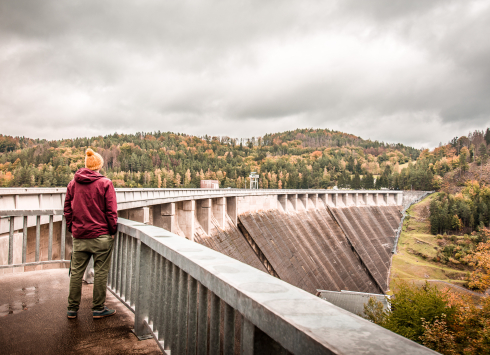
[{"x": 303, "y": 158}]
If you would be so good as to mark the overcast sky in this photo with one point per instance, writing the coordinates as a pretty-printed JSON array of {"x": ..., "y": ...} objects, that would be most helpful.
[{"x": 411, "y": 71}]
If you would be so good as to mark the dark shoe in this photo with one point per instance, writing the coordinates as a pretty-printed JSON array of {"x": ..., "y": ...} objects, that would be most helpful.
[
  {"x": 72, "y": 314},
  {"x": 106, "y": 312}
]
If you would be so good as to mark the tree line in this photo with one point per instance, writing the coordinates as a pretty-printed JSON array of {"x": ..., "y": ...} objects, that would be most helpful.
[{"x": 302, "y": 158}]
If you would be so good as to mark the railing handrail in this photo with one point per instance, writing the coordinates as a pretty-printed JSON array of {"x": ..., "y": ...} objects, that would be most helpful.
[
  {"x": 299, "y": 321},
  {"x": 20, "y": 213},
  {"x": 62, "y": 190}
]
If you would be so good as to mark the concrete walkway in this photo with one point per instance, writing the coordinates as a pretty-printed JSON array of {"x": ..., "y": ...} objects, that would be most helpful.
[{"x": 33, "y": 319}]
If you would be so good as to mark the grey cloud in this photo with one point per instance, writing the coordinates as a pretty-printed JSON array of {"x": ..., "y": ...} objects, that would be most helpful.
[
  {"x": 72, "y": 68},
  {"x": 390, "y": 10}
]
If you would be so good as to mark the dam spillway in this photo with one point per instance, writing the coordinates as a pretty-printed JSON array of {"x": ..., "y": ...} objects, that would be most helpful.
[{"x": 312, "y": 246}]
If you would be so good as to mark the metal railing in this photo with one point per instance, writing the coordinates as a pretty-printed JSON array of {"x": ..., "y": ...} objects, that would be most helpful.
[
  {"x": 18, "y": 220},
  {"x": 194, "y": 300}
]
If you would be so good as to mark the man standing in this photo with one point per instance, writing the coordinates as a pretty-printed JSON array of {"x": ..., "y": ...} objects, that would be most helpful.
[{"x": 91, "y": 216}]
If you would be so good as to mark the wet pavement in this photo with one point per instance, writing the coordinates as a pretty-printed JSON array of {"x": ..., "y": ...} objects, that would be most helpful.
[{"x": 33, "y": 319}]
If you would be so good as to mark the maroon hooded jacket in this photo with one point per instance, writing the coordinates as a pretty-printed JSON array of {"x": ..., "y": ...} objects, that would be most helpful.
[{"x": 90, "y": 205}]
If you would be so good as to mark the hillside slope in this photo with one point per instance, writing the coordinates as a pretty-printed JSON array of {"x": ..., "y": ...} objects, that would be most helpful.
[
  {"x": 303, "y": 158},
  {"x": 418, "y": 252}
]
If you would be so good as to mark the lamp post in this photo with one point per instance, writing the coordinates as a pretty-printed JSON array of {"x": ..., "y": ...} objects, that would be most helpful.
[{"x": 254, "y": 180}]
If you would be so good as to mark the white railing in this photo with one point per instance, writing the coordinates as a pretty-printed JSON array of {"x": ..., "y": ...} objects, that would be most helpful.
[
  {"x": 191, "y": 299},
  {"x": 14, "y": 218}
]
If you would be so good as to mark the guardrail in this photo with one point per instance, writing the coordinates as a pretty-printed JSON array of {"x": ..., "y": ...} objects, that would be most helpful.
[
  {"x": 23, "y": 215},
  {"x": 192, "y": 299}
]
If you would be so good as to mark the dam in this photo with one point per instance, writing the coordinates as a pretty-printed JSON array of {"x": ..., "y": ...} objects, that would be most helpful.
[
  {"x": 247, "y": 255},
  {"x": 312, "y": 245},
  {"x": 312, "y": 239}
]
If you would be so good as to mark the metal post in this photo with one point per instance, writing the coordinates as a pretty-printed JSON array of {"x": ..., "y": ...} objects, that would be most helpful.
[
  {"x": 214, "y": 325},
  {"x": 182, "y": 312},
  {"x": 24, "y": 241},
  {"x": 63, "y": 237},
  {"x": 127, "y": 278},
  {"x": 11, "y": 241},
  {"x": 247, "y": 338},
  {"x": 133, "y": 289},
  {"x": 174, "y": 330},
  {"x": 50, "y": 243},
  {"x": 38, "y": 236},
  {"x": 111, "y": 278},
  {"x": 115, "y": 262},
  {"x": 229, "y": 335},
  {"x": 192, "y": 326},
  {"x": 158, "y": 294},
  {"x": 153, "y": 288},
  {"x": 124, "y": 264},
  {"x": 162, "y": 301},
  {"x": 167, "y": 315},
  {"x": 119, "y": 263},
  {"x": 202, "y": 321},
  {"x": 143, "y": 254}
]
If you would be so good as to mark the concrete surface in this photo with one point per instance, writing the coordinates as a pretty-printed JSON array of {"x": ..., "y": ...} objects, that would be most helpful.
[{"x": 33, "y": 319}]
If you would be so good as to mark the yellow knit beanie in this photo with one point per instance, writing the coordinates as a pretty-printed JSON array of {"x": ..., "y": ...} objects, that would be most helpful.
[{"x": 93, "y": 160}]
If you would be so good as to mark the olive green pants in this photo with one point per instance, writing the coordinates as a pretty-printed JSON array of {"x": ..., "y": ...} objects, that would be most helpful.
[{"x": 83, "y": 249}]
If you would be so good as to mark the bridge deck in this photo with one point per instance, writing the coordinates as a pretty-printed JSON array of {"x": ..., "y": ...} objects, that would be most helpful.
[{"x": 33, "y": 319}]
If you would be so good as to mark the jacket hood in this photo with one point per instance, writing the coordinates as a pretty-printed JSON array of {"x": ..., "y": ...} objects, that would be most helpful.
[{"x": 87, "y": 176}]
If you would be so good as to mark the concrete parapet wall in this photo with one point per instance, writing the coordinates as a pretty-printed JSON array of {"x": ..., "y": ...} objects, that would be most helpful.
[
  {"x": 256, "y": 203},
  {"x": 31, "y": 248},
  {"x": 139, "y": 202}
]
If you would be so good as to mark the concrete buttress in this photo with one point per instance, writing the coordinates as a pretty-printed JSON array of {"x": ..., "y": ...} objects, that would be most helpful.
[
  {"x": 219, "y": 210},
  {"x": 141, "y": 214},
  {"x": 167, "y": 218},
  {"x": 203, "y": 212},
  {"x": 294, "y": 201},
  {"x": 304, "y": 199},
  {"x": 186, "y": 218},
  {"x": 283, "y": 200},
  {"x": 232, "y": 208}
]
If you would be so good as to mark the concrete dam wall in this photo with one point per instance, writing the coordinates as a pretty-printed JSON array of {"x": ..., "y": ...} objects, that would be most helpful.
[
  {"x": 313, "y": 239},
  {"x": 311, "y": 245}
]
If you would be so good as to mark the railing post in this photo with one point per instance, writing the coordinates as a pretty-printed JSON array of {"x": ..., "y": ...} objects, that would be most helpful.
[
  {"x": 247, "y": 338},
  {"x": 192, "y": 325},
  {"x": 142, "y": 306},
  {"x": 182, "y": 312},
  {"x": 50, "y": 241},
  {"x": 134, "y": 246},
  {"x": 167, "y": 314},
  {"x": 24, "y": 242},
  {"x": 38, "y": 236},
  {"x": 202, "y": 321},
  {"x": 214, "y": 325},
  {"x": 255, "y": 341},
  {"x": 11, "y": 241},
  {"x": 229, "y": 331},
  {"x": 174, "y": 329},
  {"x": 63, "y": 237},
  {"x": 129, "y": 256}
]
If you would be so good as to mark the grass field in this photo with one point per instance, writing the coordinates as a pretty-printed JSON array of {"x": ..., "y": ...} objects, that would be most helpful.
[{"x": 416, "y": 250}]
